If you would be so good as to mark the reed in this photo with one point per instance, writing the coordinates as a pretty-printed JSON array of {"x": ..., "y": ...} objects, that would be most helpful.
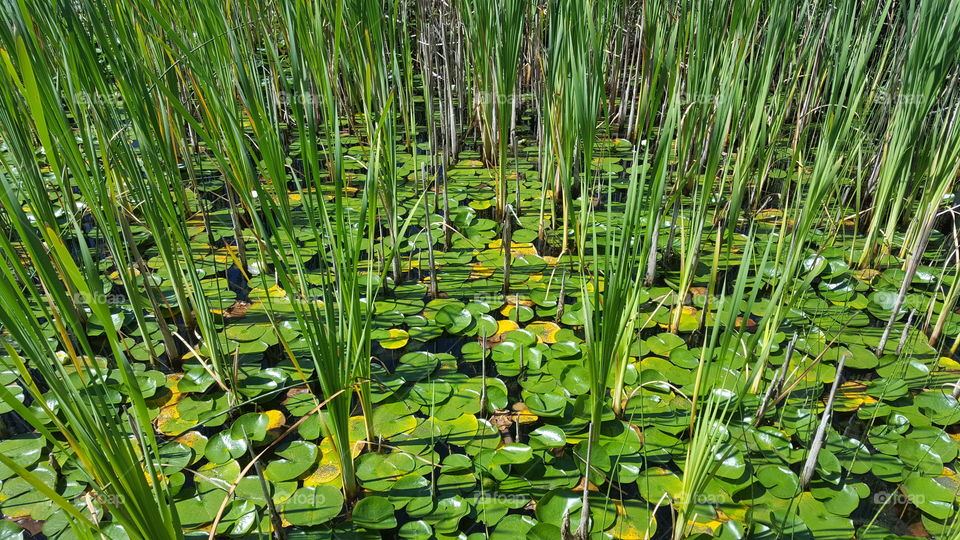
[
  {"x": 186, "y": 155},
  {"x": 52, "y": 276},
  {"x": 493, "y": 33}
]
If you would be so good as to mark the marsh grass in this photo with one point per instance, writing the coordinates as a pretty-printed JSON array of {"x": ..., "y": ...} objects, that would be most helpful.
[{"x": 837, "y": 119}]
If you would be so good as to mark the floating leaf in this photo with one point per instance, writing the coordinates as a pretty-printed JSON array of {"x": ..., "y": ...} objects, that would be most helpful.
[
  {"x": 312, "y": 506},
  {"x": 374, "y": 512},
  {"x": 394, "y": 339},
  {"x": 295, "y": 459},
  {"x": 25, "y": 450}
]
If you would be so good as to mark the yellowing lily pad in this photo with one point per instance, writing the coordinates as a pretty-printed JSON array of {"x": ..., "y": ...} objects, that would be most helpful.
[
  {"x": 546, "y": 331},
  {"x": 479, "y": 271},
  {"x": 506, "y": 325},
  {"x": 395, "y": 339},
  {"x": 327, "y": 473}
]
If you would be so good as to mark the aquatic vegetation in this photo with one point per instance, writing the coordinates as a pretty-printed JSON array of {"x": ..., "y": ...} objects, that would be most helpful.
[{"x": 602, "y": 269}]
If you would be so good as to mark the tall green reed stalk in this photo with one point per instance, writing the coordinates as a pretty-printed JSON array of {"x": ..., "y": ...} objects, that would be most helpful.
[
  {"x": 335, "y": 317},
  {"x": 574, "y": 76},
  {"x": 148, "y": 178},
  {"x": 493, "y": 32},
  {"x": 913, "y": 91},
  {"x": 853, "y": 39},
  {"x": 940, "y": 164},
  {"x": 116, "y": 447},
  {"x": 719, "y": 41},
  {"x": 611, "y": 298},
  {"x": 712, "y": 403},
  {"x": 371, "y": 66}
]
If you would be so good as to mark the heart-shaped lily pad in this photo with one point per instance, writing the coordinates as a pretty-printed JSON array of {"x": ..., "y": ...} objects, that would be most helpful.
[{"x": 312, "y": 506}]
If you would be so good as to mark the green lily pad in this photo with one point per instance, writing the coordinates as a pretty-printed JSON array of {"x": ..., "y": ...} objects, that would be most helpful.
[
  {"x": 312, "y": 506},
  {"x": 939, "y": 406},
  {"x": 252, "y": 426},
  {"x": 656, "y": 483},
  {"x": 780, "y": 481},
  {"x": 222, "y": 447},
  {"x": 25, "y": 450},
  {"x": 295, "y": 459},
  {"x": 374, "y": 512},
  {"x": 930, "y": 496},
  {"x": 662, "y": 344},
  {"x": 547, "y": 437}
]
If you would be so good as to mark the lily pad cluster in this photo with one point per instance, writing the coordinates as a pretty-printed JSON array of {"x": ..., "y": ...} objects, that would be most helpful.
[{"x": 480, "y": 425}]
